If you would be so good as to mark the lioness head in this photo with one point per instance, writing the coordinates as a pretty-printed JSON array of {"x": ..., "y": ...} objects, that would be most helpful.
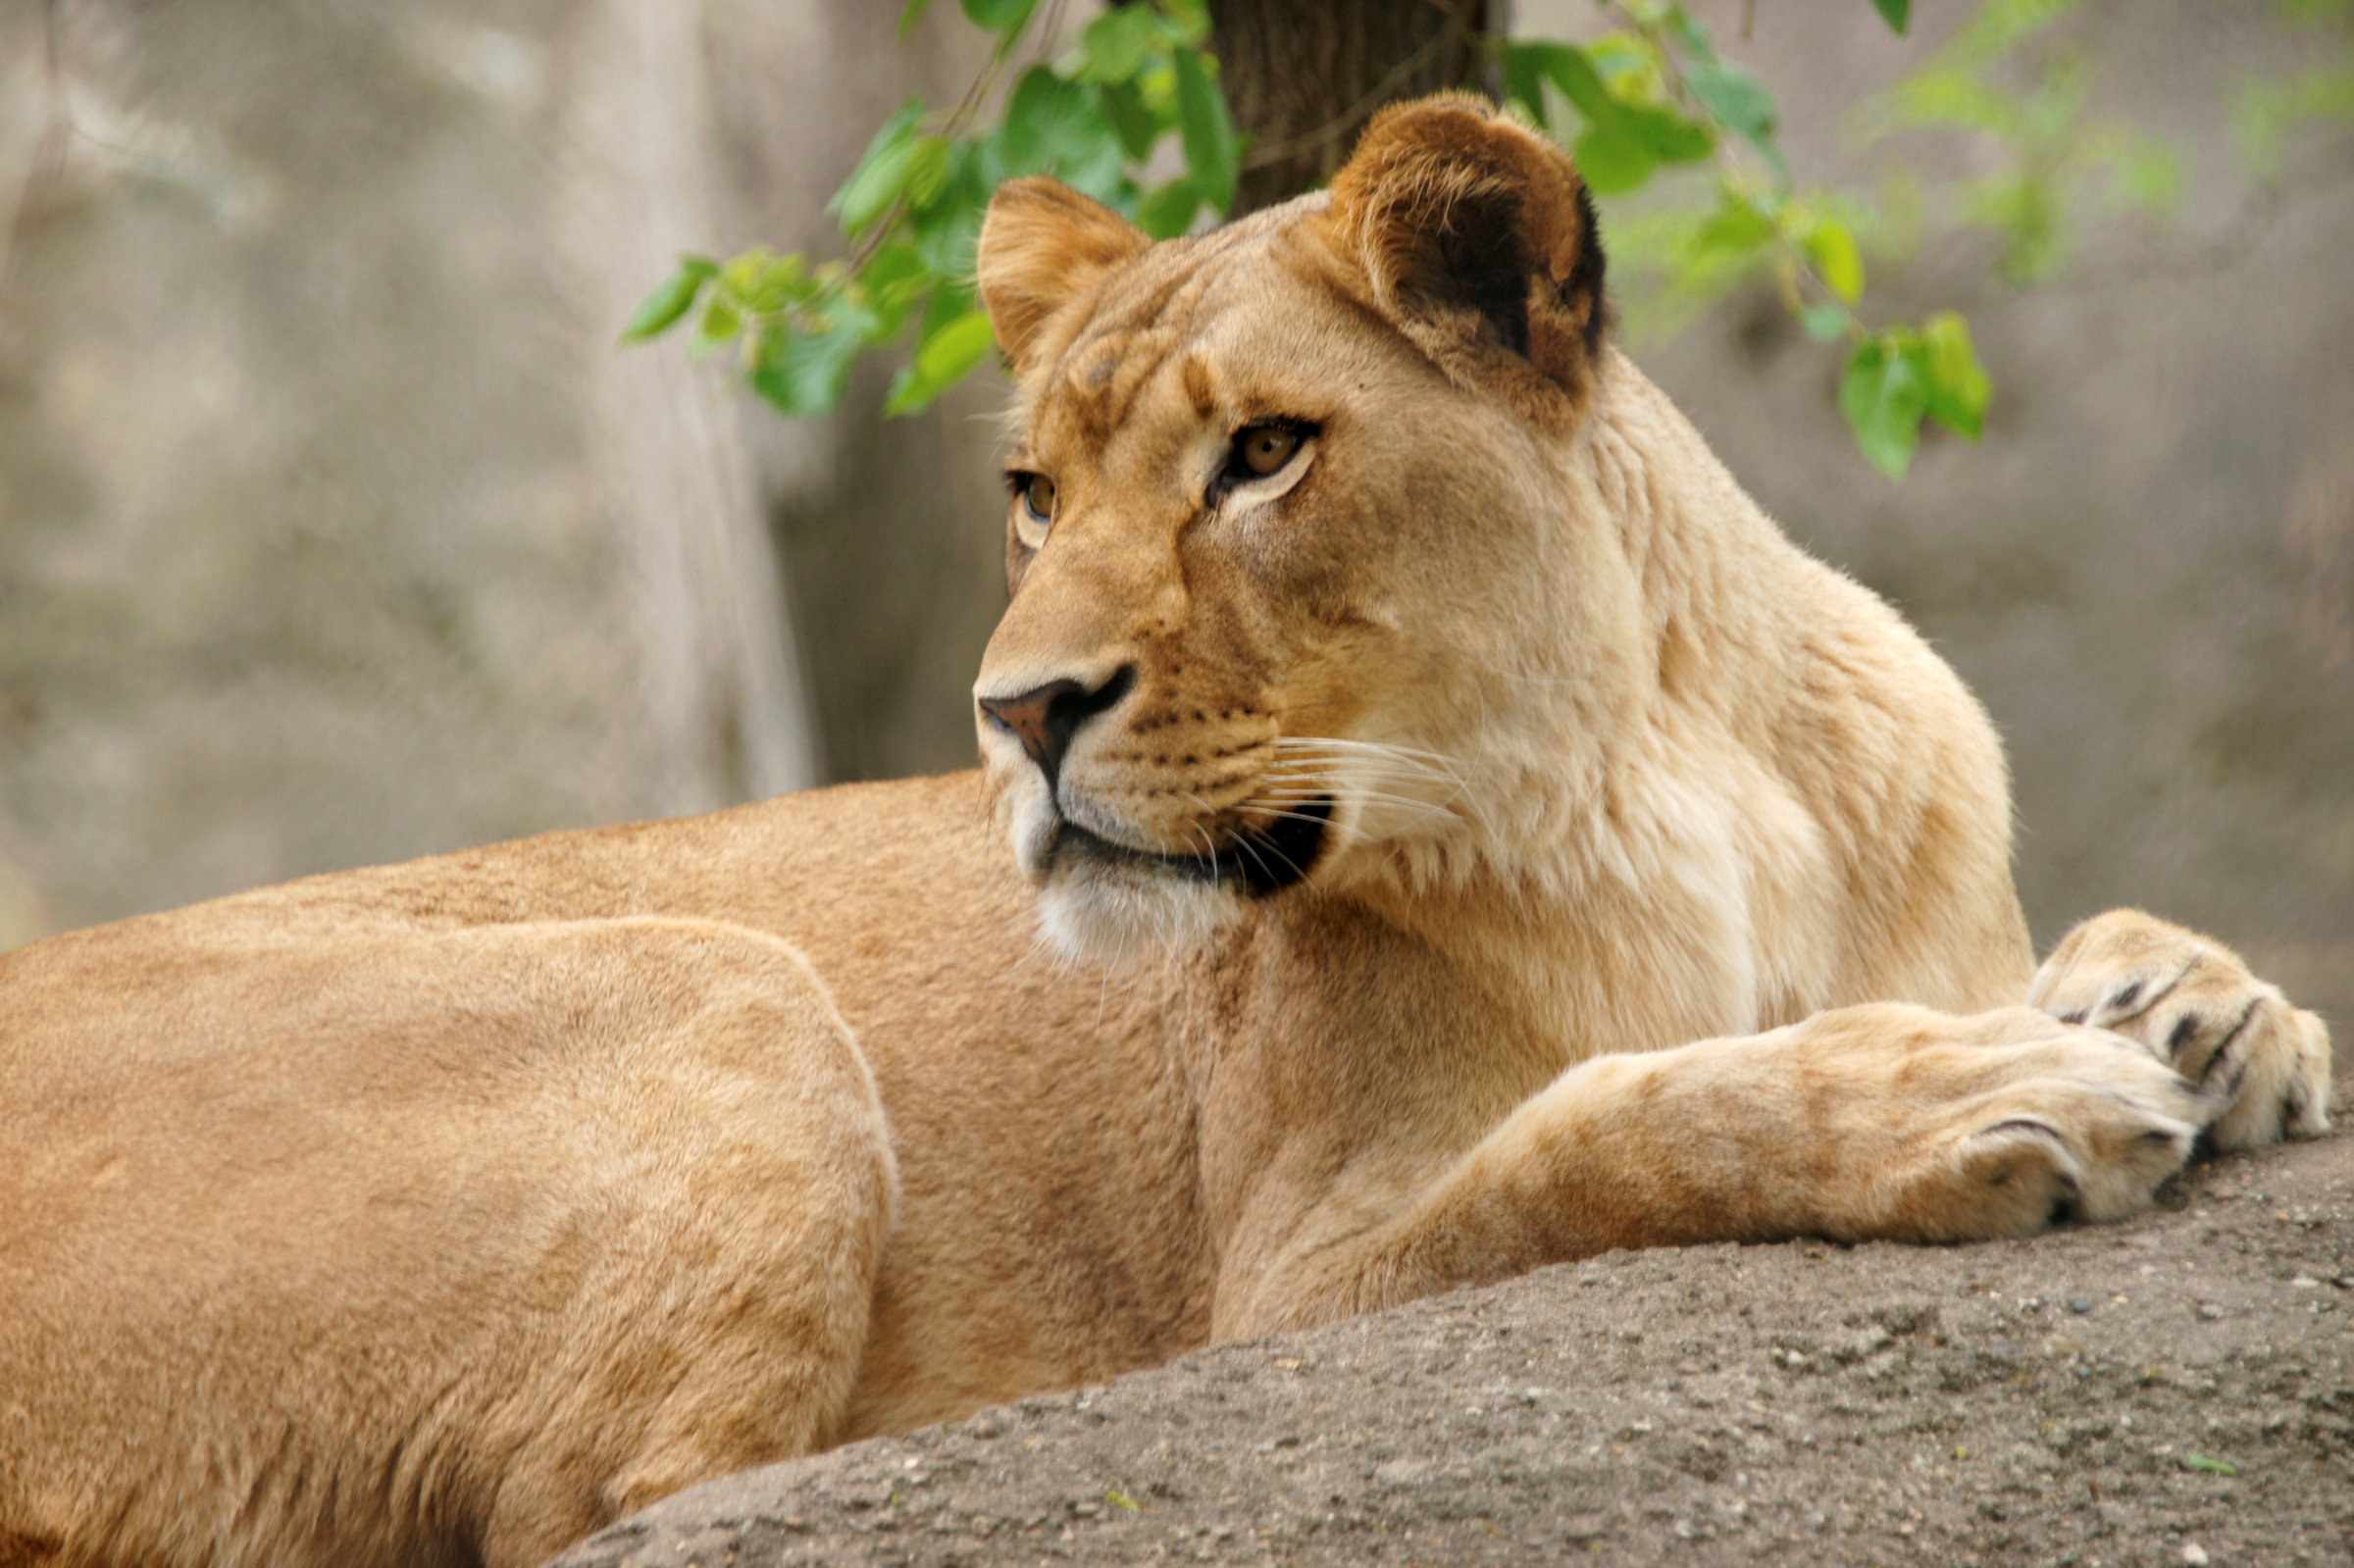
[{"x": 1293, "y": 529}]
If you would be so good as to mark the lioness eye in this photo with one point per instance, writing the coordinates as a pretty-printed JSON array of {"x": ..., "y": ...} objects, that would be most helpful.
[
  {"x": 1264, "y": 448},
  {"x": 1038, "y": 496}
]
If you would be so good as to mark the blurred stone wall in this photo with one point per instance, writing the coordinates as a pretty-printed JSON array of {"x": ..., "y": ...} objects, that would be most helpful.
[{"x": 332, "y": 528}]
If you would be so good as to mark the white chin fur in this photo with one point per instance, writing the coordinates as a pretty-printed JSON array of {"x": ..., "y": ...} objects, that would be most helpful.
[{"x": 1109, "y": 913}]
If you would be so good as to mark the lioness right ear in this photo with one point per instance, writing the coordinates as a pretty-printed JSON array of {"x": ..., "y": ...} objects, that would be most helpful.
[
  {"x": 1042, "y": 245},
  {"x": 1475, "y": 233}
]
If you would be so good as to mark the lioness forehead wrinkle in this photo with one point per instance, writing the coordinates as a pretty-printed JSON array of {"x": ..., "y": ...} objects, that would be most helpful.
[{"x": 1200, "y": 391}]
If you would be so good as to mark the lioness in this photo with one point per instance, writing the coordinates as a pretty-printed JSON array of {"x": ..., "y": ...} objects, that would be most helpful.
[{"x": 1409, "y": 743}]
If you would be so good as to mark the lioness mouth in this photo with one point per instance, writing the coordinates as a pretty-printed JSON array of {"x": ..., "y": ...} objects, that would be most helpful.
[{"x": 1260, "y": 860}]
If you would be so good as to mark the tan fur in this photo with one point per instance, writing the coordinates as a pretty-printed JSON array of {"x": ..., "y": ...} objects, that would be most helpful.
[{"x": 455, "y": 1208}]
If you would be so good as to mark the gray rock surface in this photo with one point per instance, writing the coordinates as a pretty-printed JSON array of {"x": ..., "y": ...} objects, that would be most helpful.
[{"x": 2098, "y": 1396}]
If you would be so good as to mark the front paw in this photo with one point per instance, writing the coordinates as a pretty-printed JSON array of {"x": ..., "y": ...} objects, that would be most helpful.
[
  {"x": 1997, "y": 1125},
  {"x": 2261, "y": 1064},
  {"x": 2062, "y": 1125}
]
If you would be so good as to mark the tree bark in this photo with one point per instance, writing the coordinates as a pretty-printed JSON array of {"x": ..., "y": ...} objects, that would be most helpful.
[{"x": 1303, "y": 77}]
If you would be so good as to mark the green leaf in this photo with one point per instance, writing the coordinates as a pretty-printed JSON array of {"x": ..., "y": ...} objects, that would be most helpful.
[
  {"x": 805, "y": 373},
  {"x": 1204, "y": 129},
  {"x": 910, "y": 14},
  {"x": 950, "y": 299},
  {"x": 941, "y": 360},
  {"x": 1168, "y": 212},
  {"x": 761, "y": 282},
  {"x": 1883, "y": 396},
  {"x": 2212, "y": 1467},
  {"x": 880, "y": 177},
  {"x": 1118, "y": 41},
  {"x": 1896, "y": 13},
  {"x": 1735, "y": 228},
  {"x": 893, "y": 281},
  {"x": 1958, "y": 389},
  {"x": 927, "y": 172},
  {"x": 1628, "y": 64},
  {"x": 1738, "y": 100},
  {"x": 721, "y": 323},
  {"x": 1120, "y": 1499},
  {"x": 1667, "y": 135},
  {"x": 1191, "y": 20},
  {"x": 1521, "y": 66},
  {"x": 1827, "y": 321},
  {"x": 1622, "y": 142},
  {"x": 1004, "y": 18},
  {"x": 1690, "y": 35},
  {"x": 743, "y": 274},
  {"x": 1057, "y": 126},
  {"x": 1610, "y": 158},
  {"x": 1573, "y": 72},
  {"x": 1832, "y": 249},
  {"x": 672, "y": 301},
  {"x": 944, "y": 231},
  {"x": 1137, "y": 125}
]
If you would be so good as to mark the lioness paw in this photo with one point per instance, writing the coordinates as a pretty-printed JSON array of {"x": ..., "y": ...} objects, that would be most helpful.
[
  {"x": 2069, "y": 1127},
  {"x": 2261, "y": 1064}
]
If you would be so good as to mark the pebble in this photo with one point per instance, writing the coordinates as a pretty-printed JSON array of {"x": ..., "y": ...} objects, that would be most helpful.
[
  {"x": 2194, "y": 1554},
  {"x": 2079, "y": 1304},
  {"x": 2210, "y": 1311}
]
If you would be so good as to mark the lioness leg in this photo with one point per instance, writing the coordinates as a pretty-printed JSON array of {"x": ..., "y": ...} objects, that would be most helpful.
[
  {"x": 419, "y": 1248},
  {"x": 2192, "y": 1003},
  {"x": 1885, "y": 1121}
]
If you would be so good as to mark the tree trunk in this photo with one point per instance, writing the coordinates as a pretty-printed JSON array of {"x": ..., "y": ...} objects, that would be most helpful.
[{"x": 1303, "y": 77}]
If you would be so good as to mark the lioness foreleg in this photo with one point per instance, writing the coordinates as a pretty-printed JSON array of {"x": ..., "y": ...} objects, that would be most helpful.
[
  {"x": 1882, "y": 1122},
  {"x": 2191, "y": 1002}
]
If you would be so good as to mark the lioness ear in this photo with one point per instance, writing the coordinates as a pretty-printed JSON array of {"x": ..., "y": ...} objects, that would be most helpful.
[
  {"x": 1042, "y": 245},
  {"x": 1474, "y": 230}
]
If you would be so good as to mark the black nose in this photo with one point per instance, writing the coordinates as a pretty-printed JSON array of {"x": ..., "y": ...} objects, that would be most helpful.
[{"x": 1044, "y": 718}]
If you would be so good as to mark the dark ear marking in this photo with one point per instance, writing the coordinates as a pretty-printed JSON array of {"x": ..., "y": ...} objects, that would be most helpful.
[
  {"x": 1585, "y": 274},
  {"x": 1474, "y": 232}
]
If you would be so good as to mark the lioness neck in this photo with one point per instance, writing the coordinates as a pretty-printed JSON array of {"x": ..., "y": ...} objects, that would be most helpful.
[{"x": 1758, "y": 678}]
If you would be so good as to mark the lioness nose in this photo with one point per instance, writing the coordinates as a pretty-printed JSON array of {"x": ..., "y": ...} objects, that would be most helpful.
[{"x": 1044, "y": 718}]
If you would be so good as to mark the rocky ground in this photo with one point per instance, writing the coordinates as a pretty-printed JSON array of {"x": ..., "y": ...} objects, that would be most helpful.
[{"x": 2179, "y": 1389}]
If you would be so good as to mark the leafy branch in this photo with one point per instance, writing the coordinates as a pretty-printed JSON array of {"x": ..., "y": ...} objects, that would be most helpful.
[
  {"x": 1094, "y": 117},
  {"x": 1653, "y": 94},
  {"x": 1648, "y": 109}
]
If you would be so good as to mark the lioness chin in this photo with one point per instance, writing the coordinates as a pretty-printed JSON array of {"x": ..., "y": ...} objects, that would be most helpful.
[{"x": 1463, "y": 806}]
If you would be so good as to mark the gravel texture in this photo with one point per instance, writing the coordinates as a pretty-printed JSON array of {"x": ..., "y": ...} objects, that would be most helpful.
[{"x": 2176, "y": 1390}]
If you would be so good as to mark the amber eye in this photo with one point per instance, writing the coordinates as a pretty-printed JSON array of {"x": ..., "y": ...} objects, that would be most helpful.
[
  {"x": 1261, "y": 449},
  {"x": 1038, "y": 497}
]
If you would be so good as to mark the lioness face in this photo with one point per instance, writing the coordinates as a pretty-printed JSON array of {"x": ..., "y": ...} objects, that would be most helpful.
[{"x": 1276, "y": 539}]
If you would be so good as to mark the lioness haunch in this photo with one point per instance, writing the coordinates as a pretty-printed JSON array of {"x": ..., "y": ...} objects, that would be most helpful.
[{"x": 1409, "y": 743}]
